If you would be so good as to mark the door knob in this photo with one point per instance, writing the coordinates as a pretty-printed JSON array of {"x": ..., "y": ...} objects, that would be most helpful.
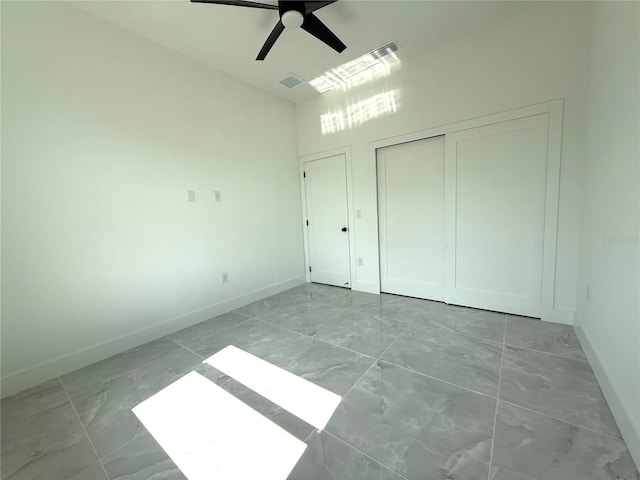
[{"x": 344, "y": 229}]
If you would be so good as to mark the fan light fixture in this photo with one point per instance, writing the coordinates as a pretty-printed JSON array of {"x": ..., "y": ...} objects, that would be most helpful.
[{"x": 292, "y": 19}]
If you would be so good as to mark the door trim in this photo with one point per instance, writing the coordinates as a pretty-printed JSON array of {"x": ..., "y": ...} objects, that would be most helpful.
[
  {"x": 555, "y": 110},
  {"x": 346, "y": 151}
]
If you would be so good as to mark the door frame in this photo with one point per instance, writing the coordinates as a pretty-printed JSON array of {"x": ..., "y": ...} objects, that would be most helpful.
[
  {"x": 346, "y": 151},
  {"x": 554, "y": 109}
]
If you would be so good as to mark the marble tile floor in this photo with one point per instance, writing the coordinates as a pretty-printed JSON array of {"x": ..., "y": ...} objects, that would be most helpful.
[{"x": 430, "y": 392}]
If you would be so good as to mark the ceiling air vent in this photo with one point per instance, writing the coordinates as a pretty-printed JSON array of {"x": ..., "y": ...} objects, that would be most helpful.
[
  {"x": 384, "y": 50},
  {"x": 291, "y": 80}
]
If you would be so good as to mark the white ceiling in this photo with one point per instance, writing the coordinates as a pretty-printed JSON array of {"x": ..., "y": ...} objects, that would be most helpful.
[{"x": 228, "y": 38}]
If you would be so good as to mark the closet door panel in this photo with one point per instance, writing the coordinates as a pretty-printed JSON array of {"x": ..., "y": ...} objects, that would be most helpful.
[
  {"x": 495, "y": 196},
  {"x": 411, "y": 218}
]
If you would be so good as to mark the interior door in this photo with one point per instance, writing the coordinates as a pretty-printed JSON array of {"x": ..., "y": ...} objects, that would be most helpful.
[
  {"x": 411, "y": 218},
  {"x": 325, "y": 183},
  {"x": 495, "y": 198}
]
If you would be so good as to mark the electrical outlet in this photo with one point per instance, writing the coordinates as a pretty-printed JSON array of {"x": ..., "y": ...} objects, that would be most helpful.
[
  {"x": 225, "y": 277},
  {"x": 360, "y": 261},
  {"x": 588, "y": 296},
  {"x": 218, "y": 196},
  {"x": 191, "y": 196},
  {"x": 358, "y": 213}
]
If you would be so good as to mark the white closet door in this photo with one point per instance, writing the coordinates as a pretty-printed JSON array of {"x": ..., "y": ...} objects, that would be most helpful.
[
  {"x": 411, "y": 218},
  {"x": 495, "y": 191},
  {"x": 328, "y": 220}
]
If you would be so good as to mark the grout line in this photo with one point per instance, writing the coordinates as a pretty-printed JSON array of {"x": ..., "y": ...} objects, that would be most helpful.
[
  {"x": 187, "y": 349},
  {"x": 396, "y": 339},
  {"x": 408, "y": 326},
  {"x": 421, "y": 322},
  {"x": 217, "y": 333},
  {"x": 454, "y": 332},
  {"x": 85, "y": 388},
  {"x": 495, "y": 417},
  {"x": 300, "y": 335},
  {"x": 504, "y": 338},
  {"x": 34, "y": 412},
  {"x": 344, "y": 348},
  {"x": 439, "y": 380},
  {"x": 311, "y": 337},
  {"x": 430, "y": 376},
  {"x": 128, "y": 442},
  {"x": 365, "y": 455},
  {"x": 566, "y": 357},
  {"x": 83, "y": 427},
  {"x": 358, "y": 381},
  {"x": 561, "y": 420},
  {"x": 375, "y": 360},
  {"x": 311, "y": 433}
]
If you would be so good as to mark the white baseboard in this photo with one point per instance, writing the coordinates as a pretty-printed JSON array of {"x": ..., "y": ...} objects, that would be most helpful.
[
  {"x": 620, "y": 409},
  {"x": 558, "y": 315},
  {"x": 367, "y": 287},
  {"x": 43, "y": 372}
]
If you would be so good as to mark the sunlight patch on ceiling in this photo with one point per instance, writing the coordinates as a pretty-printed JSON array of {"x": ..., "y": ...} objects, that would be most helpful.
[
  {"x": 371, "y": 66},
  {"x": 357, "y": 113}
]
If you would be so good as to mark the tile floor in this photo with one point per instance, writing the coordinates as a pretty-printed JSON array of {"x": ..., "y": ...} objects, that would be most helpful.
[{"x": 430, "y": 392}]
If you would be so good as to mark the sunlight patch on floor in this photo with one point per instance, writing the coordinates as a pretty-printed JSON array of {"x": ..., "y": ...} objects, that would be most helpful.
[
  {"x": 308, "y": 401},
  {"x": 209, "y": 433}
]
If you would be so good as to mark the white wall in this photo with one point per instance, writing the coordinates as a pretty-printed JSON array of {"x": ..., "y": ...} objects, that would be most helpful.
[
  {"x": 609, "y": 322},
  {"x": 533, "y": 57},
  {"x": 103, "y": 134}
]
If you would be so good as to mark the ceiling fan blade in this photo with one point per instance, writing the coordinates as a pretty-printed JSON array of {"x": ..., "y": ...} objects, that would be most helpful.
[
  {"x": 315, "y": 27},
  {"x": 273, "y": 36},
  {"x": 313, "y": 6},
  {"x": 239, "y": 3}
]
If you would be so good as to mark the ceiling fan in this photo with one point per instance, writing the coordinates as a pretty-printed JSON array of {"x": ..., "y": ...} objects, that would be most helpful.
[{"x": 293, "y": 14}]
